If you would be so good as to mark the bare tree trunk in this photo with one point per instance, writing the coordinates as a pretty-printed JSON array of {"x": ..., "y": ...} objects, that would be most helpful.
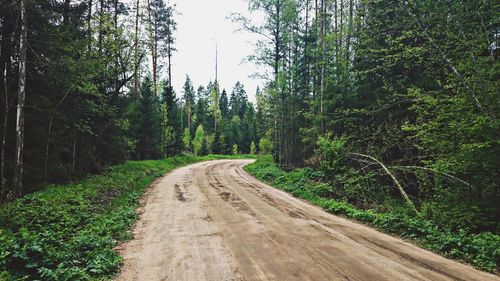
[
  {"x": 153, "y": 43},
  {"x": 101, "y": 24},
  {"x": 136, "y": 52},
  {"x": 341, "y": 24},
  {"x": 216, "y": 85},
  {"x": 89, "y": 27},
  {"x": 49, "y": 131},
  {"x": 189, "y": 113},
  {"x": 323, "y": 57},
  {"x": 182, "y": 117},
  {"x": 74, "y": 153},
  {"x": 18, "y": 171},
  {"x": 169, "y": 53},
  {"x": 66, "y": 12},
  {"x": 216, "y": 63},
  {"x": 116, "y": 13},
  {"x": 3, "y": 181},
  {"x": 47, "y": 147},
  {"x": 337, "y": 38},
  {"x": 349, "y": 32}
]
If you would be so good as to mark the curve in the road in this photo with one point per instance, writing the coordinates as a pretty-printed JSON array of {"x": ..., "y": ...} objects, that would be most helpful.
[{"x": 213, "y": 221}]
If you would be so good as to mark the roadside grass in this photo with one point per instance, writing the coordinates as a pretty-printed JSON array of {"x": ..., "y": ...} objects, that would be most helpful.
[
  {"x": 68, "y": 232},
  {"x": 480, "y": 250}
]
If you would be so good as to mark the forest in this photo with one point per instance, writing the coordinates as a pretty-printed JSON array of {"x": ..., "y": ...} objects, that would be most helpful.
[
  {"x": 389, "y": 105},
  {"x": 384, "y": 94},
  {"x": 88, "y": 84}
]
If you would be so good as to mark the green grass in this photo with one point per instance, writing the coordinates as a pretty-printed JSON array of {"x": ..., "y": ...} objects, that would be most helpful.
[
  {"x": 68, "y": 232},
  {"x": 481, "y": 250}
]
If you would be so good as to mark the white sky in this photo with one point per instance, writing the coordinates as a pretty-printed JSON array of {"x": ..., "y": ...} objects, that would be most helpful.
[{"x": 199, "y": 25}]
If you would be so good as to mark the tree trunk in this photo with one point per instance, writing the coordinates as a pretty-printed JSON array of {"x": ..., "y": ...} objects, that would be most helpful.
[
  {"x": 3, "y": 181},
  {"x": 189, "y": 113},
  {"x": 136, "y": 52},
  {"x": 153, "y": 43},
  {"x": 47, "y": 147},
  {"x": 349, "y": 32},
  {"x": 116, "y": 13},
  {"x": 74, "y": 153},
  {"x": 323, "y": 62},
  {"x": 89, "y": 26},
  {"x": 101, "y": 24},
  {"x": 169, "y": 53},
  {"x": 49, "y": 131},
  {"x": 66, "y": 12},
  {"x": 18, "y": 171}
]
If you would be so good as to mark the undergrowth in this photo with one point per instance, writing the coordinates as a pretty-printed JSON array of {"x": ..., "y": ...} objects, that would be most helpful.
[
  {"x": 481, "y": 250},
  {"x": 68, "y": 232}
]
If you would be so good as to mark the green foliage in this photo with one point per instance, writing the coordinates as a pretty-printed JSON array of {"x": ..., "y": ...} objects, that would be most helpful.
[
  {"x": 332, "y": 153},
  {"x": 412, "y": 83},
  {"x": 199, "y": 141},
  {"x": 68, "y": 232},
  {"x": 252, "y": 148},
  {"x": 204, "y": 147},
  {"x": 186, "y": 139},
  {"x": 480, "y": 250},
  {"x": 146, "y": 119},
  {"x": 235, "y": 149},
  {"x": 265, "y": 146}
]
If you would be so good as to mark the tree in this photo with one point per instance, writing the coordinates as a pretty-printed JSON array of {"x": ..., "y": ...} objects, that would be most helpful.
[
  {"x": 146, "y": 122},
  {"x": 214, "y": 106},
  {"x": 224, "y": 104},
  {"x": 253, "y": 149},
  {"x": 173, "y": 121},
  {"x": 188, "y": 100},
  {"x": 199, "y": 140},
  {"x": 18, "y": 174},
  {"x": 186, "y": 140},
  {"x": 161, "y": 31},
  {"x": 217, "y": 143},
  {"x": 408, "y": 83},
  {"x": 238, "y": 101}
]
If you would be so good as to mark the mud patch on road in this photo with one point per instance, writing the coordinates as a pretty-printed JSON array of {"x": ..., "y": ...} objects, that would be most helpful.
[
  {"x": 225, "y": 195},
  {"x": 208, "y": 218},
  {"x": 179, "y": 194}
]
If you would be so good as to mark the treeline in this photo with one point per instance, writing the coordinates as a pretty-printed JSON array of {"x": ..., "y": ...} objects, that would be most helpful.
[
  {"x": 407, "y": 92},
  {"x": 205, "y": 120},
  {"x": 216, "y": 122},
  {"x": 78, "y": 77}
]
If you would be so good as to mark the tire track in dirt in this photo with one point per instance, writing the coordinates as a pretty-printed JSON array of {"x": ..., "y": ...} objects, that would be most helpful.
[{"x": 213, "y": 221}]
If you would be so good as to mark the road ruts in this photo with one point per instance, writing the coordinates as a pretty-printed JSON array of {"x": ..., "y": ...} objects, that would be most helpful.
[{"x": 213, "y": 221}]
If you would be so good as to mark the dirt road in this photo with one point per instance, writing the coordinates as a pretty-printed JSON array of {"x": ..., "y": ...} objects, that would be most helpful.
[{"x": 212, "y": 221}]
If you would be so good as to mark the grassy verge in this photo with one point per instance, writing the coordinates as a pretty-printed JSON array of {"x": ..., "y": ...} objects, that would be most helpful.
[
  {"x": 481, "y": 250},
  {"x": 68, "y": 232}
]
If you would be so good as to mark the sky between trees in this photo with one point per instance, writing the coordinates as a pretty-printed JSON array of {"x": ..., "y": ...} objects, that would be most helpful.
[{"x": 203, "y": 23}]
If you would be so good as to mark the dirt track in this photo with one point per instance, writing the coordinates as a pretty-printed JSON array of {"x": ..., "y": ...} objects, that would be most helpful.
[{"x": 212, "y": 221}]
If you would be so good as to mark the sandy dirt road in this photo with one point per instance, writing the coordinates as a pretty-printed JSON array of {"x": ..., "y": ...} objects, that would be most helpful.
[{"x": 212, "y": 221}]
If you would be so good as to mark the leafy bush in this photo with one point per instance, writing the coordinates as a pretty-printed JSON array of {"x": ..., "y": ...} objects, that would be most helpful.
[
  {"x": 332, "y": 152},
  {"x": 481, "y": 250},
  {"x": 265, "y": 146}
]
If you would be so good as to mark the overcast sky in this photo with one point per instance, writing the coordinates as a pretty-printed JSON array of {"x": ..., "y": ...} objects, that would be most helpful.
[{"x": 200, "y": 25}]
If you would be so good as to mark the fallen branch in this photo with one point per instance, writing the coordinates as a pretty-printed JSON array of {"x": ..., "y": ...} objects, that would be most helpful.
[
  {"x": 435, "y": 172},
  {"x": 394, "y": 179}
]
